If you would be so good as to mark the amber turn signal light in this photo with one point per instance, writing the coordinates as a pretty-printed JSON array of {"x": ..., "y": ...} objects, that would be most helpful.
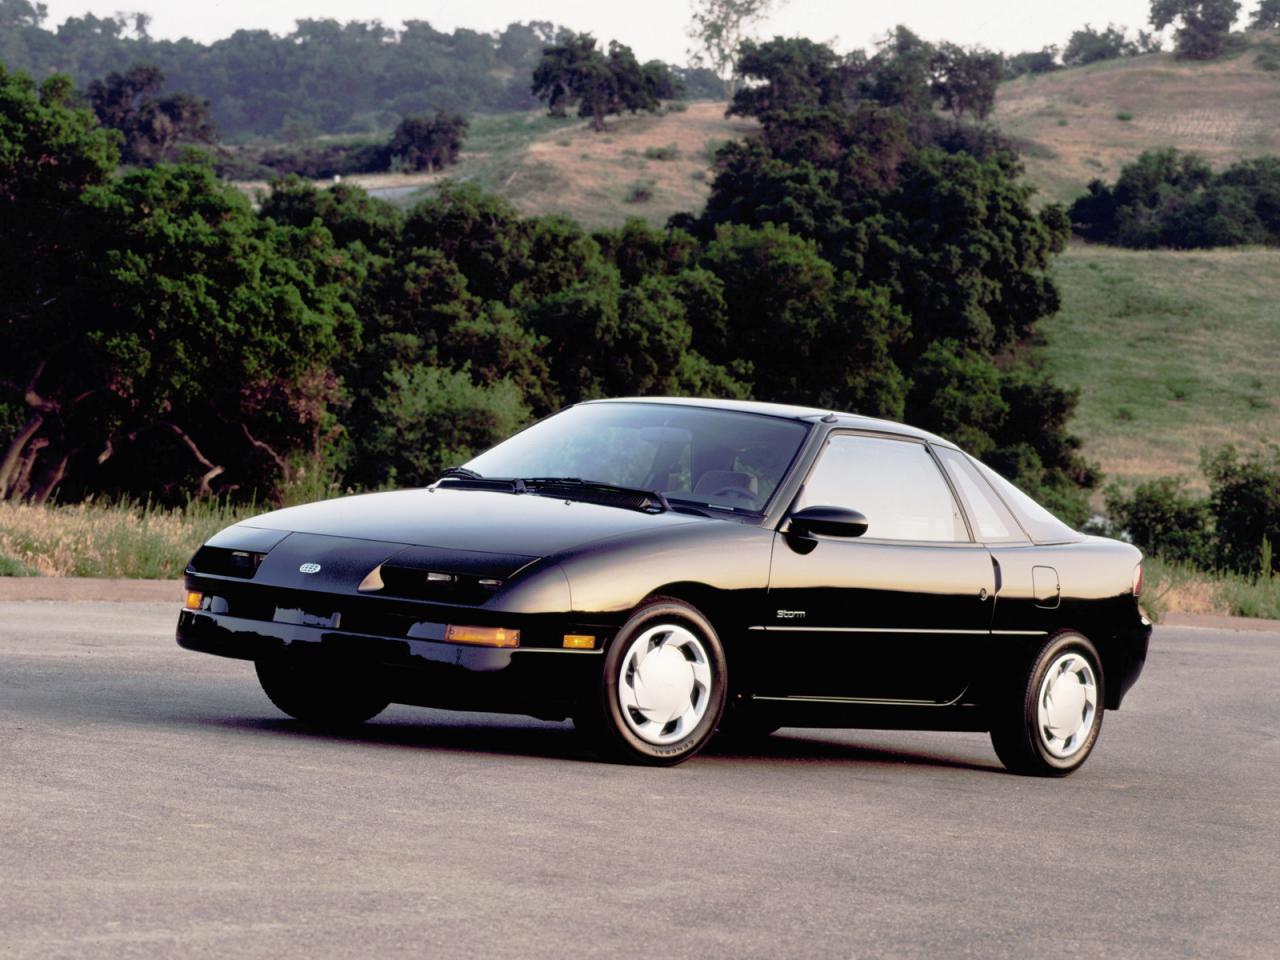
[
  {"x": 483, "y": 636},
  {"x": 579, "y": 641},
  {"x": 195, "y": 600}
]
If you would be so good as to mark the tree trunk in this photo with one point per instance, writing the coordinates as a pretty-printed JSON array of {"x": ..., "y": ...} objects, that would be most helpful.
[
  {"x": 53, "y": 476},
  {"x": 21, "y": 481},
  {"x": 13, "y": 456},
  {"x": 205, "y": 489}
]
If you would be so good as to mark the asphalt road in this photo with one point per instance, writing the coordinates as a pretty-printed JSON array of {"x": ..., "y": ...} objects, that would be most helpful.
[{"x": 154, "y": 804}]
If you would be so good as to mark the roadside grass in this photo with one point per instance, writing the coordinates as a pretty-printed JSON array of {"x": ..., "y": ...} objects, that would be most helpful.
[
  {"x": 1171, "y": 351},
  {"x": 130, "y": 540},
  {"x": 1176, "y": 588}
]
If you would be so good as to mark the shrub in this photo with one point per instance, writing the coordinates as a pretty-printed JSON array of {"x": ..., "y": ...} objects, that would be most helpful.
[
  {"x": 1168, "y": 198},
  {"x": 326, "y": 160},
  {"x": 669, "y": 152},
  {"x": 1245, "y": 502},
  {"x": 1164, "y": 520},
  {"x": 640, "y": 192}
]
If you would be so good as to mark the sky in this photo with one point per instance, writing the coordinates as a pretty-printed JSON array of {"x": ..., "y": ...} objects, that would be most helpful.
[{"x": 653, "y": 28}]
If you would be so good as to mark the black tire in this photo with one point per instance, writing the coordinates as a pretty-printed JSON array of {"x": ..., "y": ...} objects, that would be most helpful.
[
  {"x": 320, "y": 694},
  {"x": 1023, "y": 743},
  {"x": 601, "y": 717}
]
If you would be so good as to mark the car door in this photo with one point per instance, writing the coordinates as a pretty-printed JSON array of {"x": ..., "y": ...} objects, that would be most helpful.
[{"x": 899, "y": 614}]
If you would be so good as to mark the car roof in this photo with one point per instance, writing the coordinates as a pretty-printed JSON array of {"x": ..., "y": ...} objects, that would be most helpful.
[{"x": 787, "y": 411}]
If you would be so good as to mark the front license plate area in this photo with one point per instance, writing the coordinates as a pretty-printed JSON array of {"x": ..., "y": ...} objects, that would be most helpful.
[{"x": 306, "y": 618}]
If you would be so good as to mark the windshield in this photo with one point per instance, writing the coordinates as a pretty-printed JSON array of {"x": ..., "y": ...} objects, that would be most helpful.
[{"x": 692, "y": 455}]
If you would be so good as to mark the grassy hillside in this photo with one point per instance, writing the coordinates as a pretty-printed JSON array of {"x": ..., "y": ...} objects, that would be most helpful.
[
  {"x": 641, "y": 166},
  {"x": 1172, "y": 352},
  {"x": 1072, "y": 125},
  {"x": 1087, "y": 122}
]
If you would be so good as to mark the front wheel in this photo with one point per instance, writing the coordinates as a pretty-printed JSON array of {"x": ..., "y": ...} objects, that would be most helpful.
[
  {"x": 1048, "y": 722},
  {"x": 662, "y": 687},
  {"x": 320, "y": 694}
]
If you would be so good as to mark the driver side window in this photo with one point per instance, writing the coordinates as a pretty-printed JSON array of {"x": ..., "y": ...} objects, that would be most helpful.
[{"x": 895, "y": 484}]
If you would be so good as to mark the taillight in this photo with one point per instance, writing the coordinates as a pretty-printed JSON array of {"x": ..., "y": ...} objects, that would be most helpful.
[{"x": 1137, "y": 580}]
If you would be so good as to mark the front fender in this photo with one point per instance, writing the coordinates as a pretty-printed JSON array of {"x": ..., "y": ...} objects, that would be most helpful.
[{"x": 614, "y": 576}]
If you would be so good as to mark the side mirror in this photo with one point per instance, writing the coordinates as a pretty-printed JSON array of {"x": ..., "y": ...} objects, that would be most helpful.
[{"x": 831, "y": 521}]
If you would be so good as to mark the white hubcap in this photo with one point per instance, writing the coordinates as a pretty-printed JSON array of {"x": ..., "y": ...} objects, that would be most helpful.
[
  {"x": 1068, "y": 705},
  {"x": 664, "y": 684}
]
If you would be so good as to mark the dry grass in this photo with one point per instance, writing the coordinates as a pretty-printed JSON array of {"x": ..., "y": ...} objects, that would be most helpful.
[
  {"x": 96, "y": 540},
  {"x": 586, "y": 175},
  {"x": 1068, "y": 122},
  {"x": 1173, "y": 588}
]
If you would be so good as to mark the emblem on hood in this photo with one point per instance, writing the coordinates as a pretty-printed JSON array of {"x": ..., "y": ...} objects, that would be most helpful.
[{"x": 309, "y": 568}]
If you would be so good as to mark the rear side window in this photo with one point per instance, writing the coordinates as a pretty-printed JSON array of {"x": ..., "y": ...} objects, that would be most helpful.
[
  {"x": 895, "y": 484},
  {"x": 1040, "y": 524},
  {"x": 992, "y": 520}
]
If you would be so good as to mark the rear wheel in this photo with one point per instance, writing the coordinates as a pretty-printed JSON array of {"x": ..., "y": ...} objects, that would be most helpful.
[
  {"x": 1048, "y": 722},
  {"x": 324, "y": 695},
  {"x": 662, "y": 687}
]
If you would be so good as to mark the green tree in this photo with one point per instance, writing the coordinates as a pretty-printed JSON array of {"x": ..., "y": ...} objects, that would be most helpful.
[
  {"x": 1266, "y": 16},
  {"x": 22, "y": 13},
  {"x": 1044, "y": 60},
  {"x": 349, "y": 214},
  {"x": 1203, "y": 25},
  {"x": 151, "y": 125},
  {"x": 430, "y": 418},
  {"x": 1167, "y": 198},
  {"x": 428, "y": 143},
  {"x": 1244, "y": 498},
  {"x": 42, "y": 226},
  {"x": 965, "y": 81},
  {"x": 806, "y": 333},
  {"x": 575, "y": 71},
  {"x": 718, "y": 29},
  {"x": 1088, "y": 45},
  {"x": 1164, "y": 520},
  {"x": 189, "y": 352},
  {"x": 786, "y": 75},
  {"x": 900, "y": 74}
]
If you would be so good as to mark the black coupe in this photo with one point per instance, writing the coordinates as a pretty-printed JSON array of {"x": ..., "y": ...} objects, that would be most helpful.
[{"x": 660, "y": 569}]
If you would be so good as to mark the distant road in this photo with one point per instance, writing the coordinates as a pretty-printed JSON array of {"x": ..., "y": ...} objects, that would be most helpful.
[
  {"x": 393, "y": 193},
  {"x": 154, "y": 804}
]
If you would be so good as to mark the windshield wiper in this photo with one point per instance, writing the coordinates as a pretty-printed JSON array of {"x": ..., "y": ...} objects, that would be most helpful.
[
  {"x": 686, "y": 502},
  {"x": 465, "y": 472},
  {"x": 651, "y": 501}
]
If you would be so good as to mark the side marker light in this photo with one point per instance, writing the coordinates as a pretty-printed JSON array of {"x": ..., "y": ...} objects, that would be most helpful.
[{"x": 482, "y": 636}]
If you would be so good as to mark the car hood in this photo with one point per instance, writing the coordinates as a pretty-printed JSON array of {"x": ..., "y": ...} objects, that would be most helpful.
[{"x": 467, "y": 520}]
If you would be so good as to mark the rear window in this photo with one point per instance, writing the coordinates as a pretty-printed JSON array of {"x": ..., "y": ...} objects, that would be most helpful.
[{"x": 1041, "y": 525}]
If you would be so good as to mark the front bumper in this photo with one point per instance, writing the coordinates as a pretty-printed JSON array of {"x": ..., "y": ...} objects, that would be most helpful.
[{"x": 421, "y": 668}]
